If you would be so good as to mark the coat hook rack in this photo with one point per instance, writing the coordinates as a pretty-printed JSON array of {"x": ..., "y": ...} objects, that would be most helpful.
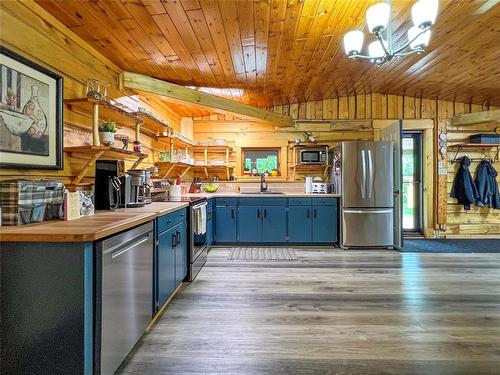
[{"x": 474, "y": 146}]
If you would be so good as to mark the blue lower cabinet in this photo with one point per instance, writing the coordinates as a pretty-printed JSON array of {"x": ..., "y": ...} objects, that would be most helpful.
[
  {"x": 300, "y": 224},
  {"x": 210, "y": 228},
  {"x": 324, "y": 224},
  {"x": 274, "y": 228},
  {"x": 166, "y": 265},
  {"x": 181, "y": 249},
  {"x": 249, "y": 224},
  {"x": 225, "y": 224}
]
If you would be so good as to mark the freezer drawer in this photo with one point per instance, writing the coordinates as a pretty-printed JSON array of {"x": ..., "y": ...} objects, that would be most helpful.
[{"x": 368, "y": 227}]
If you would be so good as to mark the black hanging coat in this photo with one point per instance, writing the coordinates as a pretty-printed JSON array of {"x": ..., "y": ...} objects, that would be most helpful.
[
  {"x": 464, "y": 189},
  {"x": 487, "y": 186}
]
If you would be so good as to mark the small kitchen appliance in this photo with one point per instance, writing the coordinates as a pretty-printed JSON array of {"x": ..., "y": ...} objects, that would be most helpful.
[
  {"x": 109, "y": 177},
  {"x": 321, "y": 187},
  {"x": 313, "y": 156}
]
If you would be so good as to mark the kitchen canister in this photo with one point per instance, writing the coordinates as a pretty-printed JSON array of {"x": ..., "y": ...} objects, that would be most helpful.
[
  {"x": 309, "y": 185},
  {"x": 175, "y": 190}
]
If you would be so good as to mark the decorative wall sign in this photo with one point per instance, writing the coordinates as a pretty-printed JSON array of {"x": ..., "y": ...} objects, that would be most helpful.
[{"x": 31, "y": 117}]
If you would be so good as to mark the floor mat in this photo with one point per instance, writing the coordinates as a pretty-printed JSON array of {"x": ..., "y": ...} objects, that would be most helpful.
[
  {"x": 262, "y": 253},
  {"x": 452, "y": 246}
]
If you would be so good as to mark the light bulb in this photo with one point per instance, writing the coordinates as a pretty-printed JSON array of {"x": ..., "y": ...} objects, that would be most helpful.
[
  {"x": 424, "y": 13},
  {"x": 421, "y": 41},
  {"x": 375, "y": 49},
  {"x": 353, "y": 42},
  {"x": 377, "y": 17}
]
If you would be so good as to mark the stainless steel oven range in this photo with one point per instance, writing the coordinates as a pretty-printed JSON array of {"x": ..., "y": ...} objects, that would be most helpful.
[{"x": 197, "y": 231}]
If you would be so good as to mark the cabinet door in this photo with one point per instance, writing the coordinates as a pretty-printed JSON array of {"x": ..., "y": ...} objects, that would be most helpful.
[
  {"x": 180, "y": 253},
  {"x": 210, "y": 228},
  {"x": 166, "y": 265},
  {"x": 225, "y": 224},
  {"x": 324, "y": 224},
  {"x": 249, "y": 224},
  {"x": 274, "y": 224},
  {"x": 300, "y": 224}
]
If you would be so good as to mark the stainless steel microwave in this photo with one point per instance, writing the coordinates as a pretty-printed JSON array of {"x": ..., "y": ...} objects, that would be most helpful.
[{"x": 313, "y": 156}]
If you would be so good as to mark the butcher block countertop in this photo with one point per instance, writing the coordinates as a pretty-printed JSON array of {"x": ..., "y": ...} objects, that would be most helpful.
[{"x": 89, "y": 228}]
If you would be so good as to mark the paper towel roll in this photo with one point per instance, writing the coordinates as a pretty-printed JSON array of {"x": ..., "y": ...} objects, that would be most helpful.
[
  {"x": 175, "y": 190},
  {"x": 309, "y": 185}
]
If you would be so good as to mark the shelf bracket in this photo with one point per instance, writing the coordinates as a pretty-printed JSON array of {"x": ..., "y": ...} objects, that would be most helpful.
[
  {"x": 169, "y": 170},
  {"x": 95, "y": 125},
  {"x": 89, "y": 164},
  {"x": 137, "y": 162},
  {"x": 185, "y": 171}
]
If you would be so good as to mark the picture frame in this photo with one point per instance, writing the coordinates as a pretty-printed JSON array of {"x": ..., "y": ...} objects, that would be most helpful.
[{"x": 31, "y": 114}]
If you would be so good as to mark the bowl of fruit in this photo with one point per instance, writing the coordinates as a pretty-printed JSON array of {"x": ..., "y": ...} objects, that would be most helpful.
[{"x": 210, "y": 187}]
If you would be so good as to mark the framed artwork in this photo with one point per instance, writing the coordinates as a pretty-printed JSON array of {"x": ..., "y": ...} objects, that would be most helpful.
[{"x": 31, "y": 114}]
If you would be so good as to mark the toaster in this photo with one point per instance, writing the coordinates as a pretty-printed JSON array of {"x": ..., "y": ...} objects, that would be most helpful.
[{"x": 321, "y": 187}]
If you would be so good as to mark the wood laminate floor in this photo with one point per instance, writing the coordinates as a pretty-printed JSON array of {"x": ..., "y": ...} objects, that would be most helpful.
[{"x": 331, "y": 312}]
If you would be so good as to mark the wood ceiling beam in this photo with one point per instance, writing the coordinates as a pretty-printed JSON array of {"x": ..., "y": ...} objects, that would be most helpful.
[
  {"x": 184, "y": 95},
  {"x": 476, "y": 118}
]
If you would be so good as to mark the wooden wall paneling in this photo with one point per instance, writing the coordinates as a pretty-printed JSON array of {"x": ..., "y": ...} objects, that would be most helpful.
[
  {"x": 352, "y": 106},
  {"x": 327, "y": 109},
  {"x": 294, "y": 110},
  {"x": 335, "y": 108},
  {"x": 409, "y": 110},
  {"x": 360, "y": 106},
  {"x": 310, "y": 110},
  {"x": 318, "y": 109},
  {"x": 343, "y": 108},
  {"x": 392, "y": 106}
]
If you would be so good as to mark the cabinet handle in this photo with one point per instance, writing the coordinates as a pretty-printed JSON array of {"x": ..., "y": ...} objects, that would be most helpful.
[
  {"x": 308, "y": 213},
  {"x": 258, "y": 213},
  {"x": 174, "y": 238},
  {"x": 178, "y": 237},
  {"x": 315, "y": 213},
  {"x": 265, "y": 213},
  {"x": 232, "y": 213}
]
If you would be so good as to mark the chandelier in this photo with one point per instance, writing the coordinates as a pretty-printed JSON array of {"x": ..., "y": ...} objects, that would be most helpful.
[{"x": 378, "y": 19}]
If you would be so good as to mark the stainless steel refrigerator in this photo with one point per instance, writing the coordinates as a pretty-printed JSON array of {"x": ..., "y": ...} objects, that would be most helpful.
[{"x": 367, "y": 194}]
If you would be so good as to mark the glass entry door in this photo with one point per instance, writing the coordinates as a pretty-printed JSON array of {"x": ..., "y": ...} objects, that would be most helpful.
[{"x": 412, "y": 182}]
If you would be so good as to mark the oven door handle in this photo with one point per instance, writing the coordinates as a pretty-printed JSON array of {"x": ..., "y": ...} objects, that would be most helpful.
[{"x": 200, "y": 205}]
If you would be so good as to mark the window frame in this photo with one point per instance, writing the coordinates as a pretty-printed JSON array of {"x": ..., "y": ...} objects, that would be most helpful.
[{"x": 275, "y": 149}]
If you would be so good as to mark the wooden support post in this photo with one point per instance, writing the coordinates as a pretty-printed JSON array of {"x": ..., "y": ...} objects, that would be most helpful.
[
  {"x": 89, "y": 164},
  {"x": 95, "y": 125},
  {"x": 206, "y": 158},
  {"x": 138, "y": 131}
]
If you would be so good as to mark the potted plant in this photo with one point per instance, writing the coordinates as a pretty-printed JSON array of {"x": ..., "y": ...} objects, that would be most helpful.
[
  {"x": 275, "y": 172},
  {"x": 107, "y": 130}
]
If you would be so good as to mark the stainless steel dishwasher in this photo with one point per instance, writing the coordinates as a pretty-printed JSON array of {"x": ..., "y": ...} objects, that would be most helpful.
[{"x": 127, "y": 293}]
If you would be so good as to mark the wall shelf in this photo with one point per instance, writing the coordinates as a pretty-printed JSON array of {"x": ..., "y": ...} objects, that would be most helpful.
[
  {"x": 474, "y": 146},
  {"x": 94, "y": 153},
  {"x": 152, "y": 125},
  {"x": 214, "y": 168},
  {"x": 310, "y": 168}
]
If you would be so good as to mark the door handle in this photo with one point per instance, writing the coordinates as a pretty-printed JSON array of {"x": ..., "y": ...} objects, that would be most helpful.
[
  {"x": 136, "y": 243},
  {"x": 232, "y": 213},
  {"x": 258, "y": 213},
  {"x": 370, "y": 174},
  {"x": 174, "y": 240},
  {"x": 363, "y": 177},
  {"x": 265, "y": 213},
  {"x": 308, "y": 214},
  {"x": 178, "y": 237},
  {"x": 315, "y": 213}
]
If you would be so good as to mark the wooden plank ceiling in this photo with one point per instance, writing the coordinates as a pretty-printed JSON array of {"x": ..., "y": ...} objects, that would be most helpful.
[{"x": 283, "y": 51}]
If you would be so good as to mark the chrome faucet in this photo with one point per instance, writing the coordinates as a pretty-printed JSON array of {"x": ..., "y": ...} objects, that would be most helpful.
[{"x": 263, "y": 183}]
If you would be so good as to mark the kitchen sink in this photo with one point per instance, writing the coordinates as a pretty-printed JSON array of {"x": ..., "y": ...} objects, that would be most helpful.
[{"x": 262, "y": 192}]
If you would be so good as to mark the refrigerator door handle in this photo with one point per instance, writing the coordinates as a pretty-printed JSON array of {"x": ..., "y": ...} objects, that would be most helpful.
[
  {"x": 382, "y": 211},
  {"x": 370, "y": 174},
  {"x": 363, "y": 177}
]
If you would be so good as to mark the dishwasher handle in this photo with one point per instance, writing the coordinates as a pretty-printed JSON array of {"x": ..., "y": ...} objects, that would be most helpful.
[{"x": 131, "y": 246}]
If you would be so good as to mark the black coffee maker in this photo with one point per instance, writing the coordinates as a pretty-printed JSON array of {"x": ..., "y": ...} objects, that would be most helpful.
[{"x": 110, "y": 184}]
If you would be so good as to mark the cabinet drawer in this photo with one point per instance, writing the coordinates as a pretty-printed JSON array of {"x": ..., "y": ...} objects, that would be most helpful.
[
  {"x": 167, "y": 221},
  {"x": 263, "y": 202},
  {"x": 224, "y": 202},
  {"x": 299, "y": 201},
  {"x": 324, "y": 201}
]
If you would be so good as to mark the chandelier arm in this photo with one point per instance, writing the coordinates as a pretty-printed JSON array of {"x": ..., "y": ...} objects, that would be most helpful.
[
  {"x": 357, "y": 56},
  {"x": 388, "y": 54},
  {"x": 411, "y": 52},
  {"x": 404, "y": 46}
]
